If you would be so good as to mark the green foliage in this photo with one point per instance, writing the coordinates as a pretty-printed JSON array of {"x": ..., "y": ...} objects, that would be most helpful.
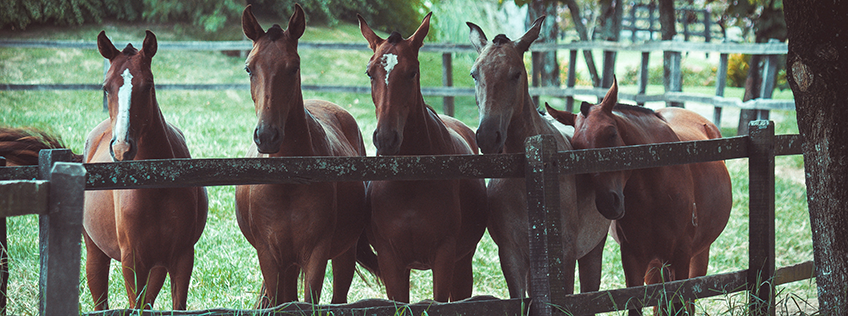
[
  {"x": 692, "y": 75},
  {"x": 19, "y": 14},
  {"x": 737, "y": 69},
  {"x": 211, "y": 15}
]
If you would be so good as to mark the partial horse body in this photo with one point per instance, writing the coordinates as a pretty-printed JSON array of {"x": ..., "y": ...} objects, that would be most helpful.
[
  {"x": 507, "y": 117},
  {"x": 20, "y": 146},
  {"x": 152, "y": 232},
  {"x": 419, "y": 224},
  {"x": 298, "y": 227},
  {"x": 668, "y": 216}
]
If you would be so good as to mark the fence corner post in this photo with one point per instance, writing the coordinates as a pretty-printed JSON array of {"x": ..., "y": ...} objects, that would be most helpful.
[
  {"x": 761, "y": 256},
  {"x": 46, "y": 159},
  {"x": 542, "y": 176}
]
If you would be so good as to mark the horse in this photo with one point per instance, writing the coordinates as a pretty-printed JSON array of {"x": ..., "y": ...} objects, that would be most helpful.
[
  {"x": 152, "y": 232},
  {"x": 20, "y": 146},
  {"x": 507, "y": 117},
  {"x": 432, "y": 224},
  {"x": 296, "y": 227},
  {"x": 666, "y": 217}
]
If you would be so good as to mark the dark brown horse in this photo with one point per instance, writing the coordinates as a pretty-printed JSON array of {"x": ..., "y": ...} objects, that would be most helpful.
[
  {"x": 150, "y": 231},
  {"x": 419, "y": 224},
  {"x": 668, "y": 216},
  {"x": 507, "y": 117},
  {"x": 298, "y": 227}
]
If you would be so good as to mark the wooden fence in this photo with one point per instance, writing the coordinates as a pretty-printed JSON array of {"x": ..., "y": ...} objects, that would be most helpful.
[
  {"x": 539, "y": 165},
  {"x": 673, "y": 95}
]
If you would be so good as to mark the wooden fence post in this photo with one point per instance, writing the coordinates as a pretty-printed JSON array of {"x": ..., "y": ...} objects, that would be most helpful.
[
  {"x": 761, "y": 217},
  {"x": 643, "y": 76},
  {"x": 672, "y": 74},
  {"x": 769, "y": 74},
  {"x": 721, "y": 83},
  {"x": 46, "y": 159},
  {"x": 571, "y": 80},
  {"x": 4, "y": 260},
  {"x": 447, "y": 81},
  {"x": 542, "y": 176},
  {"x": 106, "y": 65}
]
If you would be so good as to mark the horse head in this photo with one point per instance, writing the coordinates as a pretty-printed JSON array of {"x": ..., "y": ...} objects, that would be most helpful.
[
  {"x": 130, "y": 93},
  {"x": 500, "y": 82},
  {"x": 274, "y": 69},
  {"x": 597, "y": 127},
  {"x": 395, "y": 82}
]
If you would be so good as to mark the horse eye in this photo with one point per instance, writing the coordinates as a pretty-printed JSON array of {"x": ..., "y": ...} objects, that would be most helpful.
[
  {"x": 368, "y": 73},
  {"x": 247, "y": 69},
  {"x": 516, "y": 76}
]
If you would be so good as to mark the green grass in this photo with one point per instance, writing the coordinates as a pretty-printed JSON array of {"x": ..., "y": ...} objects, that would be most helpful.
[{"x": 220, "y": 124}]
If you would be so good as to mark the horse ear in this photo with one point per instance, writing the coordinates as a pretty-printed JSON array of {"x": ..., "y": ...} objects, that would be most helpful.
[
  {"x": 249, "y": 25},
  {"x": 149, "y": 46},
  {"x": 585, "y": 107},
  {"x": 374, "y": 41},
  {"x": 421, "y": 32},
  {"x": 523, "y": 43},
  {"x": 105, "y": 46},
  {"x": 611, "y": 99},
  {"x": 477, "y": 37},
  {"x": 297, "y": 22},
  {"x": 563, "y": 117}
]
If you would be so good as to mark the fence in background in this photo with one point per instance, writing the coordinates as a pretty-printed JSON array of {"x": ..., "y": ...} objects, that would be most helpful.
[
  {"x": 538, "y": 165},
  {"x": 673, "y": 94}
]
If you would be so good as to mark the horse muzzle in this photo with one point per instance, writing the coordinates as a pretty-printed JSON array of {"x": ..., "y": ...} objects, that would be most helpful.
[
  {"x": 387, "y": 142},
  {"x": 490, "y": 139},
  {"x": 268, "y": 139},
  {"x": 610, "y": 204},
  {"x": 122, "y": 150}
]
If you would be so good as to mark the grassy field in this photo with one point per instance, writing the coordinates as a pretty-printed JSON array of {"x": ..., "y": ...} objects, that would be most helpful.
[{"x": 220, "y": 124}]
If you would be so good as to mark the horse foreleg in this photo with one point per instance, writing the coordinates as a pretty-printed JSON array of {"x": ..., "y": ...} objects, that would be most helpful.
[
  {"x": 634, "y": 275},
  {"x": 343, "y": 269},
  {"x": 180, "y": 279},
  {"x": 313, "y": 274},
  {"x": 155, "y": 281},
  {"x": 590, "y": 268},
  {"x": 443, "y": 271},
  {"x": 136, "y": 276},
  {"x": 395, "y": 276},
  {"x": 463, "y": 278},
  {"x": 515, "y": 267},
  {"x": 97, "y": 274}
]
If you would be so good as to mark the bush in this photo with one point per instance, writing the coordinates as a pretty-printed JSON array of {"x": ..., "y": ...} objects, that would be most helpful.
[
  {"x": 737, "y": 69},
  {"x": 692, "y": 76}
]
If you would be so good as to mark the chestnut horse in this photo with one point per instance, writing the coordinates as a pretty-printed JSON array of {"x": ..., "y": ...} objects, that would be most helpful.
[
  {"x": 434, "y": 224},
  {"x": 150, "y": 231},
  {"x": 507, "y": 117},
  {"x": 298, "y": 227},
  {"x": 668, "y": 216},
  {"x": 20, "y": 146}
]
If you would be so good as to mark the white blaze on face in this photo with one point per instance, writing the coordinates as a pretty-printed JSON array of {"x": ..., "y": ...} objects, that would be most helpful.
[
  {"x": 389, "y": 62},
  {"x": 122, "y": 121}
]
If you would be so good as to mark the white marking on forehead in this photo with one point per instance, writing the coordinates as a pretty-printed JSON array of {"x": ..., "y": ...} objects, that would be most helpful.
[
  {"x": 122, "y": 121},
  {"x": 389, "y": 62}
]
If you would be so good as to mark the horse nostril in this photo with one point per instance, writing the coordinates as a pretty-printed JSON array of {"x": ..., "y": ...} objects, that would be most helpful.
[{"x": 256, "y": 138}]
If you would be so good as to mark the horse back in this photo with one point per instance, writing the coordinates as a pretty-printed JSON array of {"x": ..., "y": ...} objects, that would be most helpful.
[{"x": 462, "y": 131}]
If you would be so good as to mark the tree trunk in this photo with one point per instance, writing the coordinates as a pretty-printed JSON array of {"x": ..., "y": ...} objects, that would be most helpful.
[
  {"x": 752, "y": 91},
  {"x": 584, "y": 36},
  {"x": 545, "y": 65},
  {"x": 817, "y": 62}
]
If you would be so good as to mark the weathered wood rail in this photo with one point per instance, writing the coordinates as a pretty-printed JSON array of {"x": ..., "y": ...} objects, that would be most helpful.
[
  {"x": 673, "y": 95},
  {"x": 540, "y": 165}
]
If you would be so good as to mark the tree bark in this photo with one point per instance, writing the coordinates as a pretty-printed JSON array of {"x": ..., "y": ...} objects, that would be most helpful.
[
  {"x": 816, "y": 63},
  {"x": 584, "y": 36}
]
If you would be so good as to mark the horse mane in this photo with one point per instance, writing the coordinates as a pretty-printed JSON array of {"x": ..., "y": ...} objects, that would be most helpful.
[
  {"x": 275, "y": 32},
  {"x": 500, "y": 39},
  {"x": 129, "y": 50},
  {"x": 21, "y": 145},
  {"x": 395, "y": 38},
  {"x": 636, "y": 109}
]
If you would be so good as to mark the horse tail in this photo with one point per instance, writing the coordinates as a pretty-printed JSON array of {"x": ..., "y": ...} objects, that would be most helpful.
[
  {"x": 366, "y": 257},
  {"x": 20, "y": 146}
]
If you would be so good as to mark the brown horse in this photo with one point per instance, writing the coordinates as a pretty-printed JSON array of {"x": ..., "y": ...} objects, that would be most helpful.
[
  {"x": 419, "y": 224},
  {"x": 507, "y": 117},
  {"x": 20, "y": 146},
  {"x": 150, "y": 231},
  {"x": 298, "y": 227},
  {"x": 668, "y": 216}
]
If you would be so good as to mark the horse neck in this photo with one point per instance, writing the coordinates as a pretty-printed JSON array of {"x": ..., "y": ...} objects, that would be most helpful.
[
  {"x": 642, "y": 128},
  {"x": 303, "y": 134},
  {"x": 154, "y": 142},
  {"x": 424, "y": 132},
  {"x": 528, "y": 123}
]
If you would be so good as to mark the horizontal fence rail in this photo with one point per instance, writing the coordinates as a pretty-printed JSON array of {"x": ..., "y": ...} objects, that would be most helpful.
[{"x": 448, "y": 91}]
